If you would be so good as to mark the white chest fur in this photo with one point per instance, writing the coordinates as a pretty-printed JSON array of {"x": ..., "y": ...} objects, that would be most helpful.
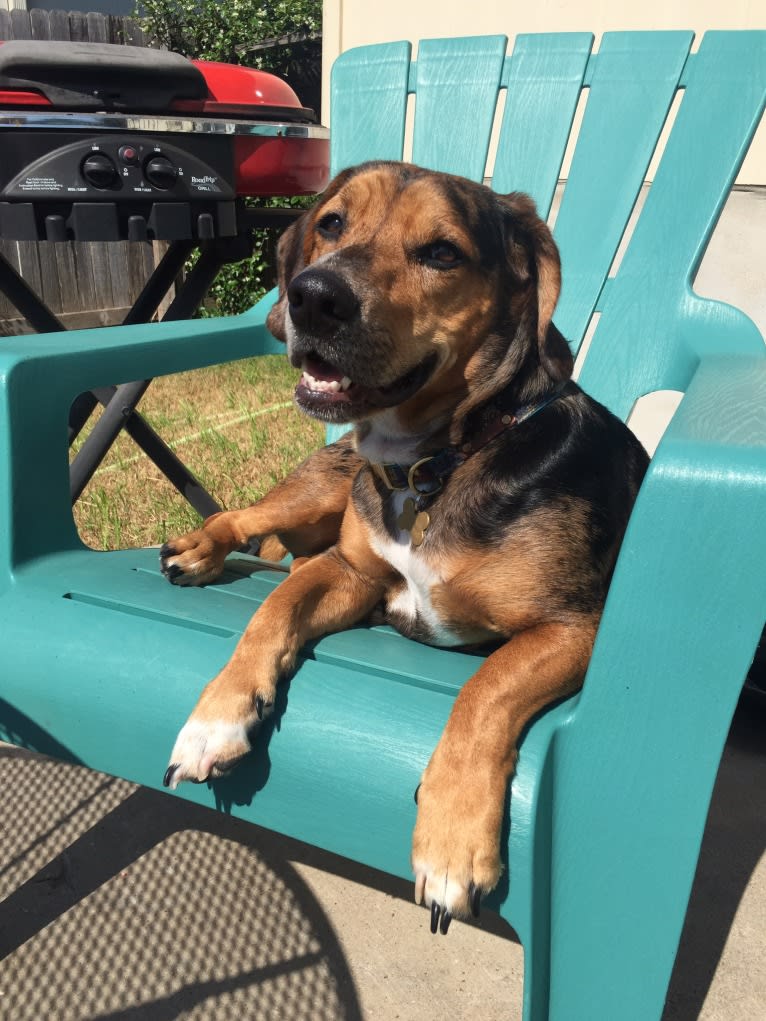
[{"x": 413, "y": 600}]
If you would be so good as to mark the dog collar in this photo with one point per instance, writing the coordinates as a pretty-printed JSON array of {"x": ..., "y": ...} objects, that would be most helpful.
[{"x": 427, "y": 475}]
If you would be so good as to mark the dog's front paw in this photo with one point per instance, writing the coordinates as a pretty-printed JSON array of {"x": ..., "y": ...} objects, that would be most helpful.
[
  {"x": 205, "y": 750},
  {"x": 216, "y": 735},
  {"x": 193, "y": 559},
  {"x": 456, "y": 843}
]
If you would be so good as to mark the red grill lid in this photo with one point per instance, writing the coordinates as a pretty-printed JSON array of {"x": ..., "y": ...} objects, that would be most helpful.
[{"x": 236, "y": 91}]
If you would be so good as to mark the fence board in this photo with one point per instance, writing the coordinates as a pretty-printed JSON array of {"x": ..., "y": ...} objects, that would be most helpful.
[
  {"x": 117, "y": 259},
  {"x": 78, "y": 27},
  {"x": 98, "y": 28},
  {"x": 49, "y": 276},
  {"x": 66, "y": 266},
  {"x": 29, "y": 265},
  {"x": 40, "y": 24},
  {"x": 85, "y": 295},
  {"x": 21, "y": 27},
  {"x": 58, "y": 25}
]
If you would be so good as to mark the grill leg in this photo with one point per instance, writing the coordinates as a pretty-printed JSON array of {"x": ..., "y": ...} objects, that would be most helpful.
[{"x": 121, "y": 408}]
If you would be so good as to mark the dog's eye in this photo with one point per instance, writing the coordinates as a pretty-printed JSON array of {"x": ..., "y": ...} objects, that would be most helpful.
[
  {"x": 440, "y": 255},
  {"x": 331, "y": 225}
]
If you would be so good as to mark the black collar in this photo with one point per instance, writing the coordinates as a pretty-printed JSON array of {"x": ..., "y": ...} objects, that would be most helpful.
[{"x": 426, "y": 476}]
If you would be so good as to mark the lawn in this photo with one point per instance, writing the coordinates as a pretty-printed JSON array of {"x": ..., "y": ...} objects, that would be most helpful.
[{"x": 235, "y": 426}]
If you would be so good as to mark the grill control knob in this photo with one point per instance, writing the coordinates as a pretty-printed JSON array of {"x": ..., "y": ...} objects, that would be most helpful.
[
  {"x": 98, "y": 170},
  {"x": 160, "y": 172}
]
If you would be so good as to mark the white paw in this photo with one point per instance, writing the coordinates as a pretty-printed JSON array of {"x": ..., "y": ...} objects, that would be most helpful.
[{"x": 206, "y": 749}]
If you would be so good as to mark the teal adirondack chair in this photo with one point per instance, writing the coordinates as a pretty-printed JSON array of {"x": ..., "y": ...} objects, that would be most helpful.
[{"x": 101, "y": 659}]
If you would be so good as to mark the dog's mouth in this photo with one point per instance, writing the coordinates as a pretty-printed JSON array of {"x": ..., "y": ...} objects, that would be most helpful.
[{"x": 327, "y": 393}]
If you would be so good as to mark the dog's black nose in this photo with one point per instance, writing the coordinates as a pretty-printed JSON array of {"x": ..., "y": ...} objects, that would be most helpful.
[{"x": 320, "y": 301}]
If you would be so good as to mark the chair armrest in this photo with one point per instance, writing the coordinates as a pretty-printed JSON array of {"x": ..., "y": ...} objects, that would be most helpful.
[
  {"x": 694, "y": 542},
  {"x": 40, "y": 375},
  {"x": 636, "y": 765},
  {"x": 78, "y": 360}
]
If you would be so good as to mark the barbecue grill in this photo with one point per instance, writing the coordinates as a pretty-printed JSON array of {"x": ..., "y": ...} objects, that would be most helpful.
[
  {"x": 119, "y": 143},
  {"x": 106, "y": 143}
]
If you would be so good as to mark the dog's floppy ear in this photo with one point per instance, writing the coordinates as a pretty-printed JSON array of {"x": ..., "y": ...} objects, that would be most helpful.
[
  {"x": 533, "y": 252},
  {"x": 290, "y": 261}
]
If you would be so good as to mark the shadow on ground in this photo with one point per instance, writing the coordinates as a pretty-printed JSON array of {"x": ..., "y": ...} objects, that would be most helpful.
[
  {"x": 733, "y": 845},
  {"x": 124, "y": 903}
]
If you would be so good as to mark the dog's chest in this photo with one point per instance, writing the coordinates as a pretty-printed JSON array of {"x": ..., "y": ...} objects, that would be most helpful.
[{"x": 410, "y": 605}]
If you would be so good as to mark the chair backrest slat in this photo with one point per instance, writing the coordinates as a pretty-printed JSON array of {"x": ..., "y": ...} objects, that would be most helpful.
[
  {"x": 456, "y": 87},
  {"x": 543, "y": 77},
  {"x": 639, "y": 345},
  {"x": 633, "y": 83},
  {"x": 369, "y": 104}
]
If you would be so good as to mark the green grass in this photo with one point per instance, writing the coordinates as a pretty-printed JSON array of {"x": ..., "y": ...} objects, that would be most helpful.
[{"x": 235, "y": 426}]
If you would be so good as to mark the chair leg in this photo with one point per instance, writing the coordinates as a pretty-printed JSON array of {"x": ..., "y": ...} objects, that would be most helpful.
[{"x": 620, "y": 888}]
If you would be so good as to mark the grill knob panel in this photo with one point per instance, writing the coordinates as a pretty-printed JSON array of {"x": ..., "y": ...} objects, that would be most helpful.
[
  {"x": 99, "y": 171},
  {"x": 160, "y": 172}
]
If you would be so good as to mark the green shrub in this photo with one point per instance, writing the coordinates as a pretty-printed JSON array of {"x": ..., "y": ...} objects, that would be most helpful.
[{"x": 215, "y": 30}]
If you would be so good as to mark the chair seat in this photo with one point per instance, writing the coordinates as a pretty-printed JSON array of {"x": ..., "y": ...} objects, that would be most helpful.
[{"x": 120, "y": 656}]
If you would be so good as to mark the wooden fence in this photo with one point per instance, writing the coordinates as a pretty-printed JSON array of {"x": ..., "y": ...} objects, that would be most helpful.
[
  {"x": 63, "y": 25},
  {"x": 83, "y": 284}
]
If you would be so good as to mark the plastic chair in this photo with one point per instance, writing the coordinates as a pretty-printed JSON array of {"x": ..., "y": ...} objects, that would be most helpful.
[{"x": 101, "y": 659}]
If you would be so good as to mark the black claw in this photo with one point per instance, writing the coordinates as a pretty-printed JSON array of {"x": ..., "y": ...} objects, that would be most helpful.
[
  {"x": 474, "y": 897},
  {"x": 172, "y": 572},
  {"x": 446, "y": 919},
  {"x": 259, "y": 706},
  {"x": 167, "y": 551},
  {"x": 168, "y": 777},
  {"x": 435, "y": 909},
  {"x": 415, "y": 795}
]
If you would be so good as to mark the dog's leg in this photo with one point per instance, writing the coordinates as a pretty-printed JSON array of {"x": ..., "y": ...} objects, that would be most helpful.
[
  {"x": 461, "y": 800},
  {"x": 326, "y": 594},
  {"x": 305, "y": 512}
]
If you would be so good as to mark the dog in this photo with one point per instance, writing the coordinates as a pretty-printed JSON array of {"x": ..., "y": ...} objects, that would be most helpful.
[{"x": 480, "y": 499}]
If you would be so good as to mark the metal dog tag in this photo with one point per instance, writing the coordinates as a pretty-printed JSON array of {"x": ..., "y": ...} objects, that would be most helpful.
[{"x": 414, "y": 522}]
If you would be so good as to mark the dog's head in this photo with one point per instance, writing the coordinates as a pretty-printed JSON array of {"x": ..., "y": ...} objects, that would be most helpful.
[{"x": 409, "y": 289}]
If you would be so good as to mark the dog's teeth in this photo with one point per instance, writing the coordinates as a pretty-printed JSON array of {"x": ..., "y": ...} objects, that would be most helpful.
[{"x": 324, "y": 385}]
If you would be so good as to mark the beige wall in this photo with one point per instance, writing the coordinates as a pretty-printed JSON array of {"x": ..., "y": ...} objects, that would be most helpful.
[{"x": 350, "y": 23}]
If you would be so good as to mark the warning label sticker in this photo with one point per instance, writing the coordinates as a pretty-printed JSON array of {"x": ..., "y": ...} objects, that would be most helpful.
[{"x": 41, "y": 184}]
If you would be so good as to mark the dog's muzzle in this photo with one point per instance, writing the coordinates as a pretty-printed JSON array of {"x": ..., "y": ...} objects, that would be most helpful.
[{"x": 342, "y": 367}]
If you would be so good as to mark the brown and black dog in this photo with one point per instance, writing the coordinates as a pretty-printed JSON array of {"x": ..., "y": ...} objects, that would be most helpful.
[{"x": 481, "y": 498}]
